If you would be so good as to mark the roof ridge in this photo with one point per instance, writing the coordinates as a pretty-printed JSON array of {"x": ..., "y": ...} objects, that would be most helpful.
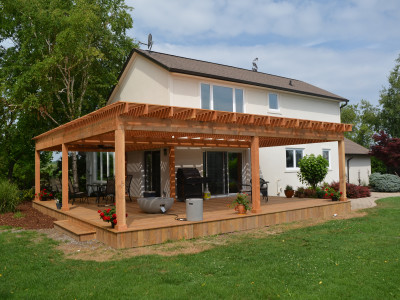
[{"x": 219, "y": 64}]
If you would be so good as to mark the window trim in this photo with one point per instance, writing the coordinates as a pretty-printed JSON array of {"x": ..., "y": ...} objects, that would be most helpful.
[
  {"x": 274, "y": 110},
  {"x": 294, "y": 168},
  {"x": 234, "y": 88},
  {"x": 329, "y": 157}
]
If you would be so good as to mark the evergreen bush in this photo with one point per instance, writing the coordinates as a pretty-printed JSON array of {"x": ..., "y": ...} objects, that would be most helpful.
[
  {"x": 384, "y": 182},
  {"x": 9, "y": 196},
  {"x": 313, "y": 170}
]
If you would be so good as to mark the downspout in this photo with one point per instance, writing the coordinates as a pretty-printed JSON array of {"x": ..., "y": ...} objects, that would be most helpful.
[
  {"x": 345, "y": 104},
  {"x": 348, "y": 169}
]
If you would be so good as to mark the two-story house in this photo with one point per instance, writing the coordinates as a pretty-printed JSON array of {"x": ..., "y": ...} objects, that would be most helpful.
[{"x": 163, "y": 79}]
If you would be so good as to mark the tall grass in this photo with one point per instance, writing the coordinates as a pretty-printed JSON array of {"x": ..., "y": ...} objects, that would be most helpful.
[{"x": 9, "y": 197}]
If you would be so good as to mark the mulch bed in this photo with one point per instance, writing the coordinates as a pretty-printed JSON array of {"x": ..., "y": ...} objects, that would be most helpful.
[{"x": 32, "y": 218}]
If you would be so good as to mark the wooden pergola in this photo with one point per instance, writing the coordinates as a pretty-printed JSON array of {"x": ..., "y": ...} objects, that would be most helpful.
[{"x": 126, "y": 126}]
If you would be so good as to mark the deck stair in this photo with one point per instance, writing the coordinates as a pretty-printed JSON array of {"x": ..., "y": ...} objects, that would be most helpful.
[{"x": 77, "y": 231}]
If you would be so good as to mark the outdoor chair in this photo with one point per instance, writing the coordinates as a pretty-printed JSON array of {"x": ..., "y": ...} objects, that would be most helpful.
[
  {"x": 263, "y": 189},
  {"x": 109, "y": 191},
  {"x": 74, "y": 193},
  {"x": 55, "y": 185}
]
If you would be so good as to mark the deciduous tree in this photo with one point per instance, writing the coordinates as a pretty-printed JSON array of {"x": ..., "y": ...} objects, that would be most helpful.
[{"x": 387, "y": 149}]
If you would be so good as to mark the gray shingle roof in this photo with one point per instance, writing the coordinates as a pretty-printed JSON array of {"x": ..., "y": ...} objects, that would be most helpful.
[
  {"x": 217, "y": 71},
  {"x": 351, "y": 147}
]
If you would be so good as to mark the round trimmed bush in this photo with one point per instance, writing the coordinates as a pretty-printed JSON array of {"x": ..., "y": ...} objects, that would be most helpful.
[
  {"x": 9, "y": 196},
  {"x": 384, "y": 182}
]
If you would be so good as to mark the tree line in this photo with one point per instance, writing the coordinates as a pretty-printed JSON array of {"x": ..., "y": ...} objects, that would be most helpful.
[
  {"x": 378, "y": 127},
  {"x": 58, "y": 61}
]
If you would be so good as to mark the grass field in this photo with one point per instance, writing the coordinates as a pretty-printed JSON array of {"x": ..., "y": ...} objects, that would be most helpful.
[{"x": 341, "y": 259}]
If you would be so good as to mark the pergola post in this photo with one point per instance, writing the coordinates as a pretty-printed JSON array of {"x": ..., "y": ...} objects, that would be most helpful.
[
  {"x": 342, "y": 170},
  {"x": 255, "y": 174},
  {"x": 120, "y": 179},
  {"x": 172, "y": 192},
  {"x": 37, "y": 174},
  {"x": 65, "y": 193}
]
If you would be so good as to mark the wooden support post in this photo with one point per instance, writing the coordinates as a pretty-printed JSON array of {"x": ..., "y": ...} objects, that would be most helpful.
[
  {"x": 342, "y": 171},
  {"x": 255, "y": 174},
  {"x": 65, "y": 193},
  {"x": 172, "y": 192},
  {"x": 37, "y": 174},
  {"x": 120, "y": 179}
]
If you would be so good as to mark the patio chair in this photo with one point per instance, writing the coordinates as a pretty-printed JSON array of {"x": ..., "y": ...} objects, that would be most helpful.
[
  {"x": 109, "y": 191},
  {"x": 55, "y": 185},
  {"x": 263, "y": 189},
  {"x": 128, "y": 181},
  {"x": 74, "y": 193}
]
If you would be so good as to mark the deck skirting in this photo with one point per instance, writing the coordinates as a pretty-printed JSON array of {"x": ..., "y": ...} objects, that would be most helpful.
[{"x": 131, "y": 237}]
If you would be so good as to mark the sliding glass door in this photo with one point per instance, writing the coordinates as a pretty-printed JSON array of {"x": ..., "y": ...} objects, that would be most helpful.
[{"x": 223, "y": 170}]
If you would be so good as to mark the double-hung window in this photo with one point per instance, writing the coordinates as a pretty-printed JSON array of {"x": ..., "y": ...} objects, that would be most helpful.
[
  {"x": 326, "y": 154},
  {"x": 293, "y": 156},
  {"x": 221, "y": 98}
]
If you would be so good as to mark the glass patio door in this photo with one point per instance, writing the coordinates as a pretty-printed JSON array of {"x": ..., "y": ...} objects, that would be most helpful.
[
  {"x": 152, "y": 171},
  {"x": 223, "y": 170}
]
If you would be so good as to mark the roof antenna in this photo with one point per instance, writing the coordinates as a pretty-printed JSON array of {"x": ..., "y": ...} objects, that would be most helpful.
[
  {"x": 255, "y": 67},
  {"x": 149, "y": 42}
]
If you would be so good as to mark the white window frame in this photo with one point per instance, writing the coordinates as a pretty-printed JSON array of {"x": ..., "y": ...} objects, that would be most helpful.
[
  {"x": 294, "y": 168},
  {"x": 329, "y": 157},
  {"x": 226, "y": 86},
  {"x": 273, "y": 110},
  {"x": 100, "y": 161}
]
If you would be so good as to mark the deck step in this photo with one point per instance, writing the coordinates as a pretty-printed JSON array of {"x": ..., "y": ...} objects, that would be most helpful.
[{"x": 78, "y": 232}]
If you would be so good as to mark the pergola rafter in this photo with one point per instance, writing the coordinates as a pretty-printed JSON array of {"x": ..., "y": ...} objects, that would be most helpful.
[{"x": 125, "y": 126}]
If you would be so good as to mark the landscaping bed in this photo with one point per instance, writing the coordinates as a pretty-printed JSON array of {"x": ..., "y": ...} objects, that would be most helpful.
[{"x": 27, "y": 217}]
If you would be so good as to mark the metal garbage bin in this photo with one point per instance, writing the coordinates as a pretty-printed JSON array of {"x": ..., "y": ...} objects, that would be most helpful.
[{"x": 194, "y": 209}]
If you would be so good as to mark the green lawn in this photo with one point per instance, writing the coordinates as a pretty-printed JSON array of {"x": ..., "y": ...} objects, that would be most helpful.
[{"x": 340, "y": 259}]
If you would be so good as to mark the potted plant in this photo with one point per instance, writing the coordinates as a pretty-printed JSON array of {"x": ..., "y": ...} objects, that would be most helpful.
[
  {"x": 44, "y": 195},
  {"x": 300, "y": 192},
  {"x": 289, "y": 192},
  {"x": 58, "y": 199},
  {"x": 332, "y": 194},
  {"x": 109, "y": 215},
  {"x": 241, "y": 204}
]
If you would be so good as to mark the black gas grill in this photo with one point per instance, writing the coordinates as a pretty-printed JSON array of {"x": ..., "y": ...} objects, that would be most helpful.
[{"x": 189, "y": 183}]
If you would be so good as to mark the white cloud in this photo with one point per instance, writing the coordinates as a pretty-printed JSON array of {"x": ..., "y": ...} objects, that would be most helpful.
[{"x": 346, "y": 47}]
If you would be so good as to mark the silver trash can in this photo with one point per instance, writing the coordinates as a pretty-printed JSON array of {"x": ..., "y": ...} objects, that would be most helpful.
[{"x": 194, "y": 209}]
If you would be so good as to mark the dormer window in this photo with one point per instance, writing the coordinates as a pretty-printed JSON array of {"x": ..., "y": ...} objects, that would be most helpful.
[{"x": 221, "y": 98}]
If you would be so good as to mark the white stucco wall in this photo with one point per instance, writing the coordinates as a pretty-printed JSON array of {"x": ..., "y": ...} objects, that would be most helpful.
[
  {"x": 360, "y": 168},
  {"x": 143, "y": 82},
  {"x": 273, "y": 165}
]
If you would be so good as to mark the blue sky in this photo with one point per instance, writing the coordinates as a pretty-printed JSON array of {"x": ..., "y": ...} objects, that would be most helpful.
[{"x": 345, "y": 47}]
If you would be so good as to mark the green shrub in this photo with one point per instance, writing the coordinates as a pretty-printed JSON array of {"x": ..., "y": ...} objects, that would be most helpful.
[
  {"x": 9, "y": 197},
  {"x": 27, "y": 195},
  {"x": 384, "y": 182},
  {"x": 313, "y": 170}
]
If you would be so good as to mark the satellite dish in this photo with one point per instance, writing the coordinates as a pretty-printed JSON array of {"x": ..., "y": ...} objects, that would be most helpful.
[
  {"x": 255, "y": 67},
  {"x": 149, "y": 42}
]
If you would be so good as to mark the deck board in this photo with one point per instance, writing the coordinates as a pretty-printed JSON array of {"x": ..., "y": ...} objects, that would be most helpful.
[{"x": 147, "y": 229}]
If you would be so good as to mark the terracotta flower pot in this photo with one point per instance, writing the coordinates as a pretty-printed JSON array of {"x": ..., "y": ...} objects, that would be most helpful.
[
  {"x": 289, "y": 193},
  {"x": 241, "y": 209}
]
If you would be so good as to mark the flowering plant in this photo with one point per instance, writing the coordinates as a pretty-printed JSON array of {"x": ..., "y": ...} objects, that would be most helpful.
[
  {"x": 44, "y": 194},
  {"x": 332, "y": 193},
  {"x": 109, "y": 215},
  {"x": 241, "y": 198},
  {"x": 58, "y": 197}
]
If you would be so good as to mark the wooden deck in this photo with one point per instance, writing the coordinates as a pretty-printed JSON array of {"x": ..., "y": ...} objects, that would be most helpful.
[{"x": 147, "y": 229}]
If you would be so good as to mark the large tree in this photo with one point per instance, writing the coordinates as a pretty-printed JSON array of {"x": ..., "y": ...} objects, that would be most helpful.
[
  {"x": 387, "y": 149},
  {"x": 60, "y": 58},
  {"x": 390, "y": 101},
  {"x": 365, "y": 120}
]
